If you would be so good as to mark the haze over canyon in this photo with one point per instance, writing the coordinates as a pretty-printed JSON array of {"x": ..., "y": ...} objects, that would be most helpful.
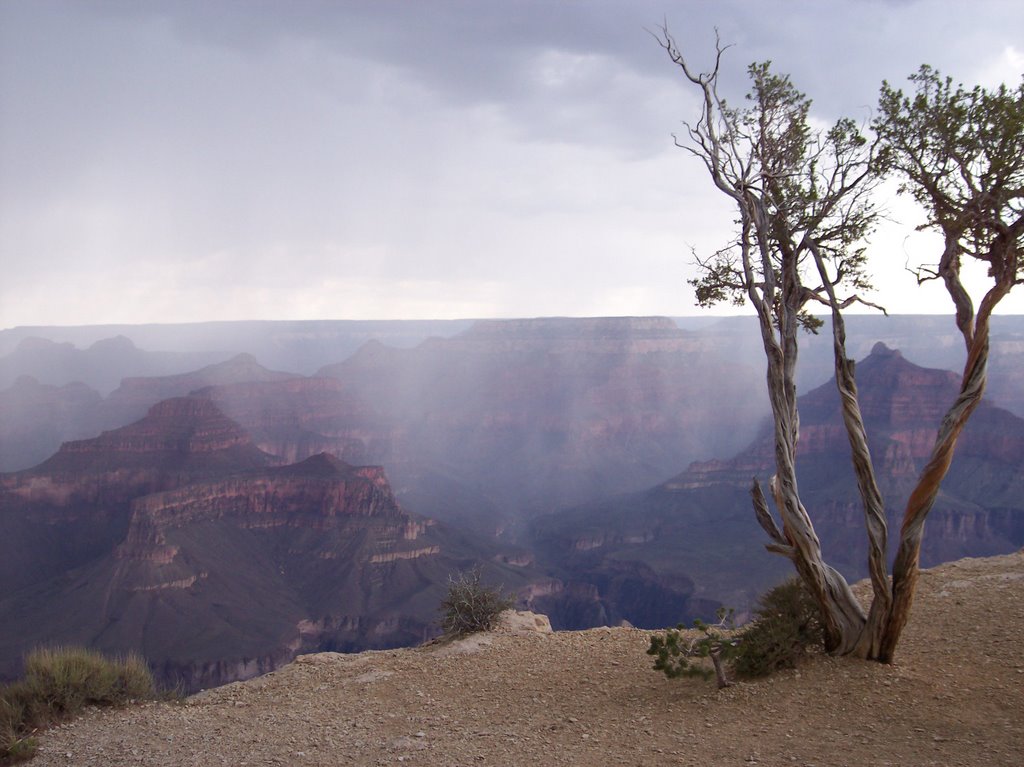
[{"x": 223, "y": 496}]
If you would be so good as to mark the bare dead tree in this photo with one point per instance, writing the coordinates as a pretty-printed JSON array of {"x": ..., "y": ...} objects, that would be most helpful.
[{"x": 804, "y": 205}]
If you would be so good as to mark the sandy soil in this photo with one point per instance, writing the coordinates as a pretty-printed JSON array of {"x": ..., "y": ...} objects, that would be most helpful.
[{"x": 955, "y": 697}]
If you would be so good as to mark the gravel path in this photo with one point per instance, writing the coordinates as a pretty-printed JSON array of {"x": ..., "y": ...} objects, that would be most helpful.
[{"x": 955, "y": 697}]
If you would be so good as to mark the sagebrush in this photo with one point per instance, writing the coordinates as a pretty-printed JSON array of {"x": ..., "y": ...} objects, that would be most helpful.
[
  {"x": 57, "y": 684},
  {"x": 470, "y": 606}
]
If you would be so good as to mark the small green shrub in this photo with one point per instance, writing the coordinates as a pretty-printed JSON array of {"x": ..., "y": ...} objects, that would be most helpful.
[
  {"x": 58, "y": 683},
  {"x": 469, "y": 606},
  {"x": 787, "y": 625},
  {"x": 677, "y": 650}
]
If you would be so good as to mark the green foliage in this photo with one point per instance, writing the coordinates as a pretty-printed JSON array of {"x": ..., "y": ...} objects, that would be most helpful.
[
  {"x": 960, "y": 153},
  {"x": 786, "y": 626},
  {"x": 803, "y": 194},
  {"x": 60, "y": 682},
  {"x": 470, "y": 606},
  {"x": 678, "y": 651}
]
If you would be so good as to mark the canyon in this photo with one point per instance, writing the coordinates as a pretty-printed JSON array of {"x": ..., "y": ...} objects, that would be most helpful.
[
  {"x": 177, "y": 537},
  {"x": 700, "y": 525},
  {"x": 225, "y": 517}
]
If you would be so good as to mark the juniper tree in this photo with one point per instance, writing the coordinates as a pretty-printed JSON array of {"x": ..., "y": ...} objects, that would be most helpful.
[
  {"x": 960, "y": 154},
  {"x": 804, "y": 205}
]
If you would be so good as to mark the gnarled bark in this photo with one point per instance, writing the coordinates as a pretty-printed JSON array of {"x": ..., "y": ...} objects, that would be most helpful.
[
  {"x": 802, "y": 206},
  {"x": 975, "y": 332}
]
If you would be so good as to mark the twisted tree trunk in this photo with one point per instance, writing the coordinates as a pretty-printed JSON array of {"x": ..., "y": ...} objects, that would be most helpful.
[
  {"x": 972, "y": 388},
  {"x": 842, "y": 615},
  {"x": 802, "y": 196}
]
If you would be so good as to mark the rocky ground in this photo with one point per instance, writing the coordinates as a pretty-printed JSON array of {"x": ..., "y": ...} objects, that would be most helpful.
[{"x": 955, "y": 697}]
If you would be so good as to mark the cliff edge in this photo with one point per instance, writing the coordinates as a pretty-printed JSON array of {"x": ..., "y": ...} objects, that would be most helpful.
[{"x": 954, "y": 697}]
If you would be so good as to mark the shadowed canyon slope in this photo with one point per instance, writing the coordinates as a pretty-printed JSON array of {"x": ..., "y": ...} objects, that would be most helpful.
[{"x": 177, "y": 537}]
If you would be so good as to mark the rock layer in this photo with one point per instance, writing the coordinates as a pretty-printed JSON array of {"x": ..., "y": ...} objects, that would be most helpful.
[{"x": 181, "y": 541}]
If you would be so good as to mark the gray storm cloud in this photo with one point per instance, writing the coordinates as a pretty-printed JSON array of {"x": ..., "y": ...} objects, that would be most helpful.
[{"x": 220, "y": 160}]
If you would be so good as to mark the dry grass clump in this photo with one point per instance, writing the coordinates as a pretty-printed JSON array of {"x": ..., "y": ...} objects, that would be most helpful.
[
  {"x": 58, "y": 683},
  {"x": 470, "y": 606}
]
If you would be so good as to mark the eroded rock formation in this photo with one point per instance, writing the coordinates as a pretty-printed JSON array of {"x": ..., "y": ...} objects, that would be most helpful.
[{"x": 182, "y": 540}]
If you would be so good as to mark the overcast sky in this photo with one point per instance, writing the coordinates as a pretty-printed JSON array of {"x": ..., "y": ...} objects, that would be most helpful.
[{"x": 287, "y": 159}]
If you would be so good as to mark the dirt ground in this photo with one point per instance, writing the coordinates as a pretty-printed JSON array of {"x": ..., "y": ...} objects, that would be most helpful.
[{"x": 954, "y": 697}]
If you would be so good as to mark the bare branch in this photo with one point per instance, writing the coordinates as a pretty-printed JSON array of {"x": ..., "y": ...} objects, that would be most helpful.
[{"x": 764, "y": 516}]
